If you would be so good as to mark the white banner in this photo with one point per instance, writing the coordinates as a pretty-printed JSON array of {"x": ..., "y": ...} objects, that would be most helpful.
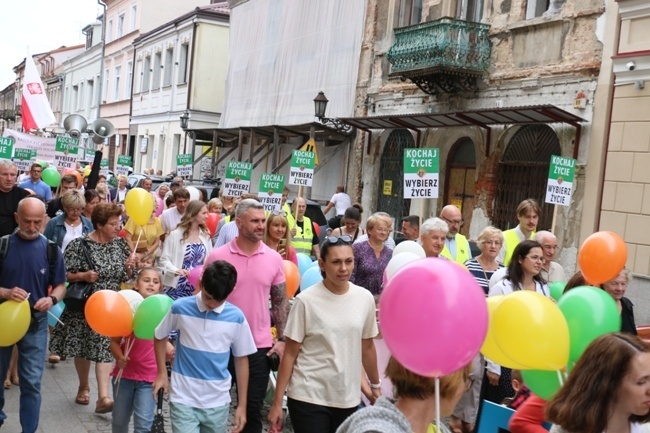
[{"x": 44, "y": 147}]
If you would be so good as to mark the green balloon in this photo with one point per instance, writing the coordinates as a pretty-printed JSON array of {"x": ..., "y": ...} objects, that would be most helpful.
[
  {"x": 43, "y": 164},
  {"x": 557, "y": 288},
  {"x": 51, "y": 177},
  {"x": 149, "y": 314},
  {"x": 589, "y": 312},
  {"x": 542, "y": 382}
]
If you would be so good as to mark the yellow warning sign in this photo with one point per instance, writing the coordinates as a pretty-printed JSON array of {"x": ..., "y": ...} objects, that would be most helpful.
[
  {"x": 310, "y": 146},
  {"x": 388, "y": 187}
]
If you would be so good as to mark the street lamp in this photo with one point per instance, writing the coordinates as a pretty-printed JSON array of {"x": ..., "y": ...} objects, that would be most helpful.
[
  {"x": 185, "y": 118},
  {"x": 320, "y": 105}
]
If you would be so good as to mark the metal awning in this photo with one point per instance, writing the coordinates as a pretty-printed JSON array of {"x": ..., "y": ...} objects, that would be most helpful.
[{"x": 527, "y": 115}]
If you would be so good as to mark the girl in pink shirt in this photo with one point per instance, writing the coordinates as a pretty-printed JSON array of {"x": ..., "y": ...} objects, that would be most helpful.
[{"x": 133, "y": 393}]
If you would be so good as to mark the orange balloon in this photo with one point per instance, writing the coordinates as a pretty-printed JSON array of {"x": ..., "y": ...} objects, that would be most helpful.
[
  {"x": 75, "y": 173},
  {"x": 109, "y": 314},
  {"x": 316, "y": 228},
  {"x": 292, "y": 277},
  {"x": 602, "y": 256}
]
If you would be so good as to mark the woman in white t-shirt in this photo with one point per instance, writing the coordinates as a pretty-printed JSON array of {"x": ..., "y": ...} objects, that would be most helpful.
[
  {"x": 329, "y": 336},
  {"x": 608, "y": 390}
]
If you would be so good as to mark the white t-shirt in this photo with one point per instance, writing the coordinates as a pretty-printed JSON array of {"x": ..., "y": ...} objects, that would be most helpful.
[
  {"x": 71, "y": 233},
  {"x": 330, "y": 327},
  {"x": 341, "y": 201},
  {"x": 170, "y": 219}
]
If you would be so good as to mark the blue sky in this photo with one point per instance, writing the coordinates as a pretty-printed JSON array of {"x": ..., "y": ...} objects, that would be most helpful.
[{"x": 41, "y": 25}]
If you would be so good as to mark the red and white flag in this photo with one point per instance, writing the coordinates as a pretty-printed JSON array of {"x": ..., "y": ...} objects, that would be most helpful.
[{"x": 36, "y": 109}]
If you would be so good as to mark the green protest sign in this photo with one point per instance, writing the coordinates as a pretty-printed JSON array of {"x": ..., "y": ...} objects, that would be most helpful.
[
  {"x": 103, "y": 166},
  {"x": 421, "y": 168},
  {"x": 23, "y": 158},
  {"x": 6, "y": 147},
  {"x": 560, "y": 180},
  {"x": 66, "y": 151},
  {"x": 238, "y": 178},
  {"x": 124, "y": 164},
  {"x": 270, "y": 191},
  {"x": 302, "y": 168},
  {"x": 184, "y": 164}
]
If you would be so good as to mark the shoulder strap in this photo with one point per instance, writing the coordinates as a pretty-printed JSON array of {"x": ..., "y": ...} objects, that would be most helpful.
[
  {"x": 52, "y": 256},
  {"x": 89, "y": 259},
  {"x": 4, "y": 247}
]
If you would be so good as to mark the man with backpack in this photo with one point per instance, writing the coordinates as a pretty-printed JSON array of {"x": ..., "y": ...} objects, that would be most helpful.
[{"x": 28, "y": 266}]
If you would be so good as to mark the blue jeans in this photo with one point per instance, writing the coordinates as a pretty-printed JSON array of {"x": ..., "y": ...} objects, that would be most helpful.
[
  {"x": 31, "y": 351},
  {"x": 133, "y": 397},
  {"x": 186, "y": 419}
]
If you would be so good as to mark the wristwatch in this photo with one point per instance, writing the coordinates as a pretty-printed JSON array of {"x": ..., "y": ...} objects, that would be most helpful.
[{"x": 54, "y": 300}]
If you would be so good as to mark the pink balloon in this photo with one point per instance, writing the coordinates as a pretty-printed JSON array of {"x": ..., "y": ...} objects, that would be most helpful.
[
  {"x": 384, "y": 278},
  {"x": 433, "y": 316},
  {"x": 195, "y": 275}
]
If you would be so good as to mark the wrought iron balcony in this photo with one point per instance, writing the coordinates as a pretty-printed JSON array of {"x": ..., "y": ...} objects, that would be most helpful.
[
  {"x": 443, "y": 55},
  {"x": 8, "y": 114}
]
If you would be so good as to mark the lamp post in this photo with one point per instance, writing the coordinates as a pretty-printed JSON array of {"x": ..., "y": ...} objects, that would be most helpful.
[
  {"x": 185, "y": 120},
  {"x": 320, "y": 105}
]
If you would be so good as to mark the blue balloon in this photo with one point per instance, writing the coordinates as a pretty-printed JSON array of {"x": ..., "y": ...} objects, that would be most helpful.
[
  {"x": 314, "y": 264},
  {"x": 304, "y": 262},
  {"x": 311, "y": 277},
  {"x": 55, "y": 313}
]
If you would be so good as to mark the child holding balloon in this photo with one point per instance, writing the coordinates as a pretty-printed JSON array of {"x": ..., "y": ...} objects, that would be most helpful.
[{"x": 138, "y": 365}]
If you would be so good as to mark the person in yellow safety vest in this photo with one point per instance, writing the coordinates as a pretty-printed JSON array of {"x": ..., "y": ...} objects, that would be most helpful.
[
  {"x": 528, "y": 215},
  {"x": 305, "y": 239},
  {"x": 456, "y": 245}
]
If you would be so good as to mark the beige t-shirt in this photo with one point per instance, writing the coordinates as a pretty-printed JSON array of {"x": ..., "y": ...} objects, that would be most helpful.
[{"x": 330, "y": 327}]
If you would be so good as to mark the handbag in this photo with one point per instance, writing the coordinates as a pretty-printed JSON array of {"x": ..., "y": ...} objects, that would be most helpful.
[
  {"x": 77, "y": 293},
  {"x": 158, "y": 425}
]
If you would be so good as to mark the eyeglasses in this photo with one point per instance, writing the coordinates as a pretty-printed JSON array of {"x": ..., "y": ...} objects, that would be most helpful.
[
  {"x": 537, "y": 259},
  {"x": 454, "y": 222},
  {"x": 550, "y": 247},
  {"x": 495, "y": 243},
  {"x": 279, "y": 212},
  {"x": 382, "y": 230},
  {"x": 335, "y": 239}
]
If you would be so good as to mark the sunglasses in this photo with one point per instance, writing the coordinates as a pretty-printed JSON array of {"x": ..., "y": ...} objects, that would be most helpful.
[
  {"x": 335, "y": 239},
  {"x": 279, "y": 212}
]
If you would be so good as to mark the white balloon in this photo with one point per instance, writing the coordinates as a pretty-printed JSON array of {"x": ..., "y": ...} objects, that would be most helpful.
[
  {"x": 132, "y": 297},
  {"x": 194, "y": 193},
  {"x": 409, "y": 247},
  {"x": 399, "y": 261}
]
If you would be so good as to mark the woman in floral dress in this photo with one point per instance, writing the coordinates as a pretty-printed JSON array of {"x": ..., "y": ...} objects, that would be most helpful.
[
  {"x": 112, "y": 265},
  {"x": 185, "y": 248}
]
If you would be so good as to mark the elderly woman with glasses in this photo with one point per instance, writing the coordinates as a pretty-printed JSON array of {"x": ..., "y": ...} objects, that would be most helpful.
[
  {"x": 277, "y": 236},
  {"x": 329, "y": 337},
  {"x": 522, "y": 274},
  {"x": 372, "y": 256},
  {"x": 483, "y": 266},
  {"x": 71, "y": 224},
  {"x": 617, "y": 288}
]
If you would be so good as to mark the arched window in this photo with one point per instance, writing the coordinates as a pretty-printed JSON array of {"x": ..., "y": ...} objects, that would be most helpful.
[
  {"x": 391, "y": 175},
  {"x": 460, "y": 184}
]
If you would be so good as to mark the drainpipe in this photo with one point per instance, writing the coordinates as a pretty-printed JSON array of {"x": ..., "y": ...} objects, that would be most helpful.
[{"x": 101, "y": 60}]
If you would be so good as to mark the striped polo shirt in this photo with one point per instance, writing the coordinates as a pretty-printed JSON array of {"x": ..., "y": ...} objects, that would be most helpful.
[{"x": 200, "y": 376}]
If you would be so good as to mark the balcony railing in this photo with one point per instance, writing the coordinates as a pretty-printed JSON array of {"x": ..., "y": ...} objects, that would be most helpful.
[{"x": 446, "y": 46}]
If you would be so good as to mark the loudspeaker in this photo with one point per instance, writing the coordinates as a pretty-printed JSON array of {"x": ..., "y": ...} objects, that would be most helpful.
[
  {"x": 102, "y": 129},
  {"x": 75, "y": 124}
]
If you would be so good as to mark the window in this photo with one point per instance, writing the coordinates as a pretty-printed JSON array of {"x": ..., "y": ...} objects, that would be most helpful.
[
  {"x": 120, "y": 25},
  {"x": 106, "y": 81},
  {"x": 410, "y": 12},
  {"x": 536, "y": 8},
  {"x": 99, "y": 86},
  {"x": 182, "y": 64},
  {"x": 157, "y": 64},
  {"x": 66, "y": 99},
  {"x": 116, "y": 88},
  {"x": 134, "y": 16},
  {"x": 81, "y": 102},
  {"x": 469, "y": 10},
  {"x": 129, "y": 79},
  {"x": 146, "y": 74},
  {"x": 75, "y": 98},
  {"x": 169, "y": 67},
  {"x": 109, "y": 31},
  {"x": 137, "y": 83},
  {"x": 91, "y": 93},
  {"x": 89, "y": 38}
]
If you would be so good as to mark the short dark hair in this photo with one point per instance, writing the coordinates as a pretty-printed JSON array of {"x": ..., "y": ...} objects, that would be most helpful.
[
  {"x": 413, "y": 220},
  {"x": 69, "y": 178},
  {"x": 219, "y": 278},
  {"x": 103, "y": 212},
  {"x": 515, "y": 272},
  {"x": 181, "y": 193},
  {"x": 90, "y": 194}
]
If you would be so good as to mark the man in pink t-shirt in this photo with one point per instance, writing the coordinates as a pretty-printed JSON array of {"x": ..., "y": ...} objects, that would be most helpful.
[{"x": 260, "y": 275}]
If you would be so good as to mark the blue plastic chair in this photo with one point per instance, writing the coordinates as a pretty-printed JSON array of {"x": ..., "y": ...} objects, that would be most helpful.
[{"x": 494, "y": 418}]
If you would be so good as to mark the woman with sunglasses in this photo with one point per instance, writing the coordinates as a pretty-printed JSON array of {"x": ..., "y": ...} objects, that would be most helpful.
[
  {"x": 329, "y": 337},
  {"x": 522, "y": 274},
  {"x": 372, "y": 256},
  {"x": 351, "y": 223},
  {"x": 278, "y": 237}
]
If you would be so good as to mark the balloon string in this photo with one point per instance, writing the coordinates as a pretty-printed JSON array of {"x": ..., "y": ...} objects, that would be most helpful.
[
  {"x": 137, "y": 242},
  {"x": 128, "y": 346},
  {"x": 560, "y": 378},
  {"x": 438, "y": 405}
]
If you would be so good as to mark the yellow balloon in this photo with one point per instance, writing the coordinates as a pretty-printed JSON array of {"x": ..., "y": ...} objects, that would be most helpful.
[
  {"x": 531, "y": 330},
  {"x": 139, "y": 205},
  {"x": 87, "y": 170},
  {"x": 490, "y": 348},
  {"x": 14, "y": 322}
]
